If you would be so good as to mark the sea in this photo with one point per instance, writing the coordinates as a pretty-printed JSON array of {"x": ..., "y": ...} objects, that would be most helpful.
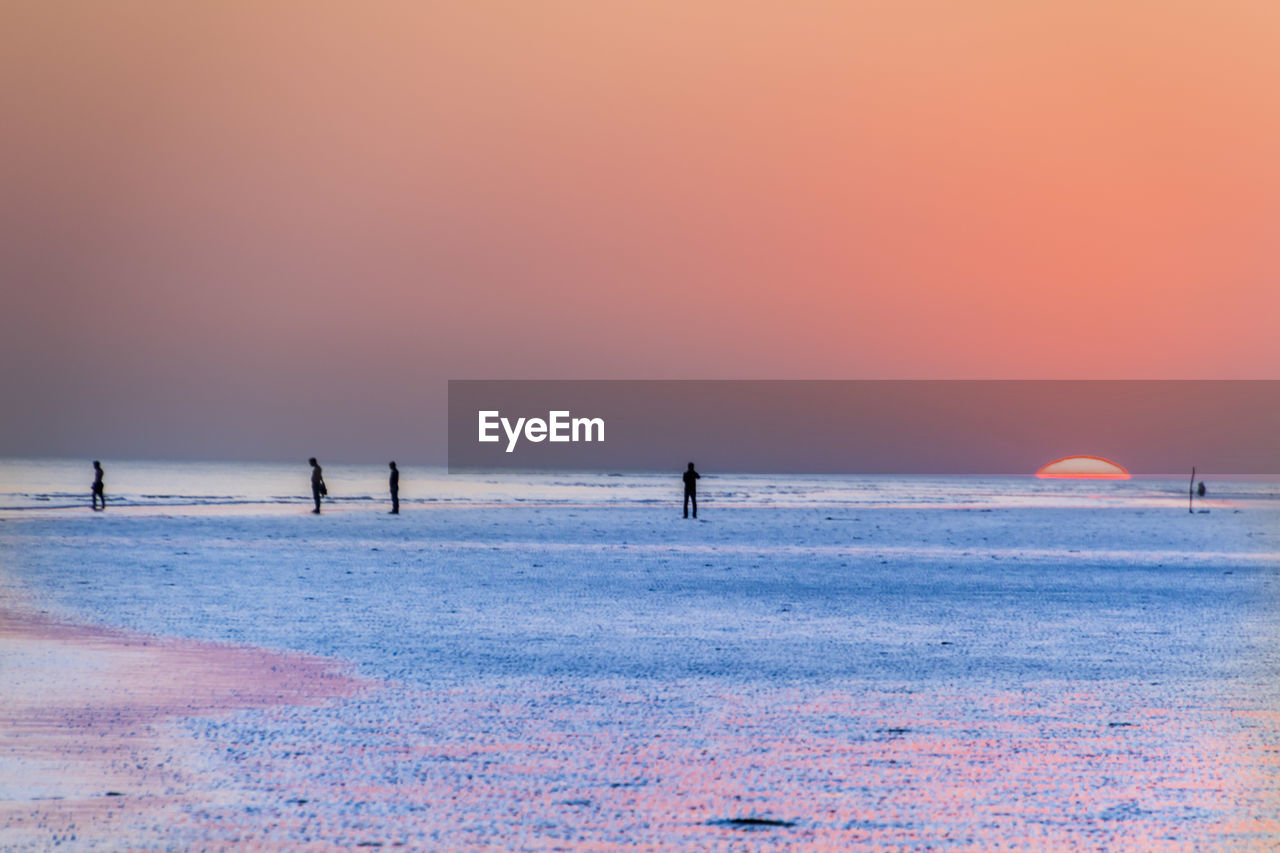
[{"x": 57, "y": 484}]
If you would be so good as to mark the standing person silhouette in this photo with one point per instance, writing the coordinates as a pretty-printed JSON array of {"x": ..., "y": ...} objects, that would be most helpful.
[
  {"x": 318, "y": 488},
  {"x": 99, "y": 490},
  {"x": 691, "y": 478},
  {"x": 395, "y": 489}
]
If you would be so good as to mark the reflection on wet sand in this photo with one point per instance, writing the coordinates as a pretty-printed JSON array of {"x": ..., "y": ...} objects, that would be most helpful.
[{"x": 694, "y": 767}]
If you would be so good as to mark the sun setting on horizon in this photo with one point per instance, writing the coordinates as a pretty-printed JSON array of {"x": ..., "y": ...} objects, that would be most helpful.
[{"x": 1083, "y": 468}]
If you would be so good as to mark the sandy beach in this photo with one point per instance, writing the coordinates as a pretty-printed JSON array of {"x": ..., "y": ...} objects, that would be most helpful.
[
  {"x": 1092, "y": 671},
  {"x": 93, "y": 755}
]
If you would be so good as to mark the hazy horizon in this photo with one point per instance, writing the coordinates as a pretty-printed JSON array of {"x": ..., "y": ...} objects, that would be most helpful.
[{"x": 673, "y": 471}]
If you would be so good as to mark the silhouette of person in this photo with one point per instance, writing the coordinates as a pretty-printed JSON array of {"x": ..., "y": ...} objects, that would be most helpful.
[
  {"x": 318, "y": 488},
  {"x": 395, "y": 489},
  {"x": 99, "y": 490},
  {"x": 1200, "y": 489},
  {"x": 691, "y": 478}
]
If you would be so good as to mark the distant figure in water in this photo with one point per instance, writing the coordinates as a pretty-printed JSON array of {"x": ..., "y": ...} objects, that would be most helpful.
[
  {"x": 99, "y": 490},
  {"x": 318, "y": 488},
  {"x": 395, "y": 489},
  {"x": 691, "y": 478},
  {"x": 1200, "y": 489}
]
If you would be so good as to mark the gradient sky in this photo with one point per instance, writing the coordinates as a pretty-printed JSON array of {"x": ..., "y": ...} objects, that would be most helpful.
[{"x": 271, "y": 230}]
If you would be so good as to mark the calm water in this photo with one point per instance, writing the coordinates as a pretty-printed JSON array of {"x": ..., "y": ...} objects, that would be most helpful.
[{"x": 61, "y": 484}]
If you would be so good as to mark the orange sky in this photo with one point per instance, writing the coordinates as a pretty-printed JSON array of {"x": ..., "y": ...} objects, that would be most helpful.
[{"x": 225, "y": 221}]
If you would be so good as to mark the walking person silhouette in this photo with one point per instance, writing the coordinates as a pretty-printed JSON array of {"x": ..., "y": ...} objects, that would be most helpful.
[
  {"x": 395, "y": 490},
  {"x": 99, "y": 490},
  {"x": 691, "y": 478},
  {"x": 318, "y": 488}
]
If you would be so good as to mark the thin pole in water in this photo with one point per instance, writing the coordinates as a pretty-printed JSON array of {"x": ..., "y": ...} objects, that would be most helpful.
[{"x": 1191, "y": 490}]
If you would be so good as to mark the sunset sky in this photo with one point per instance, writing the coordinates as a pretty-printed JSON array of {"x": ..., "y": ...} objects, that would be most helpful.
[{"x": 273, "y": 230}]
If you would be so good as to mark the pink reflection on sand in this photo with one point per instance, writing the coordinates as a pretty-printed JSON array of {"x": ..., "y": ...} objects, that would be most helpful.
[
  {"x": 519, "y": 767},
  {"x": 308, "y": 758},
  {"x": 90, "y": 752}
]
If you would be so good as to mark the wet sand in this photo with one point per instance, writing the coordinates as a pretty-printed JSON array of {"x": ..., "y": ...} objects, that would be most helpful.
[
  {"x": 121, "y": 741},
  {"x": 558, "y": 678},
  {"x": 91, "y": 751}
]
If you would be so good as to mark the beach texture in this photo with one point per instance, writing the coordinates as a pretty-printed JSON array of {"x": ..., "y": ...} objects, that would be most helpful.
[{"x": 600, "y": 675}]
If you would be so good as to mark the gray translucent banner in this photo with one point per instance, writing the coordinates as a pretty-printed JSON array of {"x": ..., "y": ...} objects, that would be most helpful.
[{"x": 864, "y": 427}]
